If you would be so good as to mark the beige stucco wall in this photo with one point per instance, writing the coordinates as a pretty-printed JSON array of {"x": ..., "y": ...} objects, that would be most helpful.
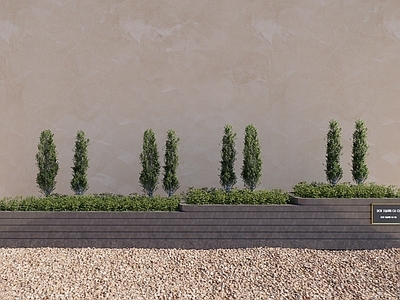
[{"x": 116, "y": 68}]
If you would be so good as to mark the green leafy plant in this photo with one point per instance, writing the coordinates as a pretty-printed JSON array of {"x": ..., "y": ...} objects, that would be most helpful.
[
  {"x": 46, "y": 160},
  {"x": 171, "y": 161},
  {"x": 228, "y": 157},
  {"x": 251, "y": 169},
  {"x": 79, "y": 182},
  {"x": 149, "y": 159},
  {"x": 359, "y": 169},
  {"x": 234, "y": 197},
  {"x": 334, "y": 148},
  {"x": 97, "y": 202},
  {"x": 344, "y": 190}
]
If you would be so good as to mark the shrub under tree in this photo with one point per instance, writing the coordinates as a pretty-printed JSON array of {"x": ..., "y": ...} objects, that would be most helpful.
[
  {"x": 334, "y": 148},
  {"x": 79, "y": 182},
  {"x": 228, "y": 157},
  {"x": 149, "y": 159},
  {"x": 46, "y": 160},
  {"x": 359, "y": 169},
  {"x": 252, "y": 163},
  {"x": 171, "y": 161}
]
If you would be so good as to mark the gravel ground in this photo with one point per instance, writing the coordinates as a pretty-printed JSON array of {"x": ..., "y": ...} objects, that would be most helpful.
[{"x": 255, "y": 273}]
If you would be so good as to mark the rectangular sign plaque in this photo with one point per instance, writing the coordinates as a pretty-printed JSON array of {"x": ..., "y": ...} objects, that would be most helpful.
[{"x": 385, "y": 214}]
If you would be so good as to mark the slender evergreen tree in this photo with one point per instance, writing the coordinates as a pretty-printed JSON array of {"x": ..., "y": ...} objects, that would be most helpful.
[
  {"x": 359, "y": 169},
  {"x": 46, "y": 160},
  {"x": 334, "y": 148},
  {"x": 171, "y": 161},
  {"x": 149, "y": 159},
  {"x": 252, "y": 163},
  {"x": 79, "y": 182},
  {"x": 227, "y": 176}
]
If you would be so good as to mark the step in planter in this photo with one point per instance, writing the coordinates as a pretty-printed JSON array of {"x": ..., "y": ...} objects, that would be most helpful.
[{"x": 309, "y": 223}]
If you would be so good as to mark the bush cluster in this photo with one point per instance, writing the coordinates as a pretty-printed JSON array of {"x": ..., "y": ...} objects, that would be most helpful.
[
  {"x": 250, "y": 172},
  {"x": 359, "y": 170},
  {"x": 252, "y": 163},
  {"x": 46, "y": 160},
  {"x": 235, "y": 196},
  {"x": 344, "y": 190},
  {"x": 96, "y": 202}
]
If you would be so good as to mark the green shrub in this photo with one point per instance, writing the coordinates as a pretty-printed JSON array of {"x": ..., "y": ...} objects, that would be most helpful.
[
  {"x": 149, "y": 159},
  {"x": 344, "y": 190},
  {"x": 235, "y": 196},
  {"x": 227, "y": 177},
  {"x": 171, "y": 161},
  {"x": 46, "y": 160},
  {"x": 102, "y": 202},
  {"x": 252, "y": 163},
  {"x": 334, "y": 148},
  {"x": 79, "y": 182},
  {"x": 359, "y": 169}
]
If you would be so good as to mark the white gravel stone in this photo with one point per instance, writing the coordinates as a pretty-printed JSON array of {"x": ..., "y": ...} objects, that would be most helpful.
[{"x": 254, "y": 273}]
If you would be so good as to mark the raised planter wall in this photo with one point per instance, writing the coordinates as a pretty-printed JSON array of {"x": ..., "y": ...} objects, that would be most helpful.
[{"x": 312, "y": 223}]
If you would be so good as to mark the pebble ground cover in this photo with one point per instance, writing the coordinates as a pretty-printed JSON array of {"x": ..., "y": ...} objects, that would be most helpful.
[{"x": 252, "y": 273}]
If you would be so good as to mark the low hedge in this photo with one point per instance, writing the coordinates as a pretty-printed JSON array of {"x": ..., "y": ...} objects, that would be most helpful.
[
  {"x": 97, "y": 202},
  {"x": 112, "y": 202},
  {"x": 344, "y": 190},
  {"x": 236, "y": 196}
]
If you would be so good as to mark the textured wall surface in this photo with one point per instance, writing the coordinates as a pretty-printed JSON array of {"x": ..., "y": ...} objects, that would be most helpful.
[{"x": 116, "y": 68}]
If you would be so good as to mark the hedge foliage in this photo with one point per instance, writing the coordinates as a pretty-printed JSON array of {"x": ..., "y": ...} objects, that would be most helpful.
[
  {"x": 344, "y": 190},
  {"x": 235, "y": 196},
  {"x": 133, "y": 202},
  {"x": 96, "y": 202}
]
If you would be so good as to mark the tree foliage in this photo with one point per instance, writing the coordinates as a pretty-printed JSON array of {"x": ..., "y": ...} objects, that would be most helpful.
[
  {"x": 79, "y": 182},
  {"x": 46, "y": 160},
  {"x": 252, "y": 163},
  {"x": 334, "y": 148},
  {"x": 171, "y": 163},
  {"x": 228, "y": 157},
  {"x": 149, "y": 159},
  {"x": 359, "y": 169}
]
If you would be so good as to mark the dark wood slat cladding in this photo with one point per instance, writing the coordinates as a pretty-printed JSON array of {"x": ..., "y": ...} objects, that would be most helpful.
[
  {"x": 201, "y": 228},
  {"x": 187, "y": 221},
  {"x": 195, "y": 243},
  {"x": 312, "y": 223},
  {"x": 237, "y": 215},
  {"x": 268, "y": 208},
  {"x": 198, "y": 234},
  {"x": 343, "y": 201}
]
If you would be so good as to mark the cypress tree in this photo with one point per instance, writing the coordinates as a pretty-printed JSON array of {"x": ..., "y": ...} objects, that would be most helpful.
[
  {"x": 228, "y": 157},
  {"x": 79, "y": 183},
  {"x": 359, "y": 169},
  {"x": 334, "y": 148},
  {"x": 251, "y": 169},
  {"x": 46, "y": 160},
  {"x": 149, "y": 159},
  {"x": 171, "y": 161}
]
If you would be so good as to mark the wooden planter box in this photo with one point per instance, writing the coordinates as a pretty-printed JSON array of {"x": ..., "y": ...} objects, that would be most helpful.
[{"x": 312, "y": 223}]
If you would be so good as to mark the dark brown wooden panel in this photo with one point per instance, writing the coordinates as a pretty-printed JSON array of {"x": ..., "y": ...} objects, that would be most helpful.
[
  {"x": 338, "y": 244},
  {"x": 343, "y": 201},
  {"x": 204, "y": 228},
  {"x": 195, "y": 234},
  {"x": 187, "y": 221},
  {"x": 312, "y": 224}
]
